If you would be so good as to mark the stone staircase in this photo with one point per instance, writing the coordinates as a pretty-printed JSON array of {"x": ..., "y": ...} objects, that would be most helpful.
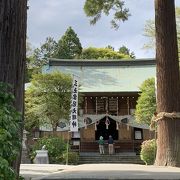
[{"x": 120, "y": 158}]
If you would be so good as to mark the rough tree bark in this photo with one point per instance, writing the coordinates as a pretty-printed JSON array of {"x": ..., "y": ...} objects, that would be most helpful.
[
  {"x": 168, "y": 84},
  {"x": 13, "y": 18}
]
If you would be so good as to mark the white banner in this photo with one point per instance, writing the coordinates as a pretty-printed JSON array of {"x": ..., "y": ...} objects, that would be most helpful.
[{"x": 74, "y": 106}]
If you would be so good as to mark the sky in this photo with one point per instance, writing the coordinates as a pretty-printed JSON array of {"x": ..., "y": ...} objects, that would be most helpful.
[{"x": 53, "y": 17}]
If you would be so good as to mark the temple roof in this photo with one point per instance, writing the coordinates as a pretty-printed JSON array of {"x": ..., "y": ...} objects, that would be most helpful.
[{"x": 106, "y": 75}]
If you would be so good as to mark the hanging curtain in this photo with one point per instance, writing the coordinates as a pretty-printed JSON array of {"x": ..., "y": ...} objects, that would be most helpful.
[
  {"x": 96, "y": 123},
  {"x": 117, "y": 125},
  {"x": 85, "y": 123},
  {"x": 107, "y": 122}
]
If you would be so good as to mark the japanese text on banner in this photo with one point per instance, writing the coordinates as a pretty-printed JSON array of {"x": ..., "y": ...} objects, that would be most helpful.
[{"x": 74, "y": 106}]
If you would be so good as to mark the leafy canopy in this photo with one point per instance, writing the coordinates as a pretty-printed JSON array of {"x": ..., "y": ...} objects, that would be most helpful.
[
  {"x": 149, "y": 31},
  {"x": 38, "y": 57},
  {"x": 102, "y": 53},
  {"x": 46, "y": 51},
  {"x": 124, "y": 50},
  {"x": 146, "y": 103},
  {"x": 48, "y": 100},
  {"x": 95, "y": 8}
]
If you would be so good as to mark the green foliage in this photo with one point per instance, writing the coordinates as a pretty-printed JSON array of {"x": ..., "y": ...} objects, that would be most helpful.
[
  {"x": 48, "y": 100},
  {"x": 73, "y": 158},
  {"x": 6, "y": 172},
  {"x": 46, "y": 51},
  {"x": 31, "y": 68},
  {"x": 55, "y": 146},
  {"x": 29, "y": 49},
  {"x": 148, "y": 151},
  {"x": 69, "y": 46},
  {"x": 31, "y": 112},
  {"x": 109, "y": 47},
  {"x": 146, "y": 103},
  {"x": 149, "y": 31},
  {"x": 178, "y": 23},
  {"x": 9, "y": 132},
  {"x": 29, "y": 55},
  {"x": 124, "y": 50},
  {"x": 38, "y": 57},
  {"x": 102, "y": 53},
  {"x": 94, "y": 9}
]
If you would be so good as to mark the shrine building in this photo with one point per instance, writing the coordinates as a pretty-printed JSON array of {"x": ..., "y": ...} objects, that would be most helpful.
[{"x": 110, "y": 89}]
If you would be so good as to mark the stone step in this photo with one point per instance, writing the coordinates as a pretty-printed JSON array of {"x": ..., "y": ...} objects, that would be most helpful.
[
  {"x": 95, "y": 160},
  {"x": 117, "y": 154},
  {"x": 107, "y": 162},
  {"x": 110, "y": 159},
  {"x": 110, "y": 156}
]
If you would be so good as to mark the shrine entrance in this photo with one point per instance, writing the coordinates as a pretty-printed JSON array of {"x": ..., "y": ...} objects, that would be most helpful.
[{"x": 103, "y": 131}]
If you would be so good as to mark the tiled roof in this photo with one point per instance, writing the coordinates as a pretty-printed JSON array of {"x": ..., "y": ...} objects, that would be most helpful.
[{"x": 106, "y": 75}]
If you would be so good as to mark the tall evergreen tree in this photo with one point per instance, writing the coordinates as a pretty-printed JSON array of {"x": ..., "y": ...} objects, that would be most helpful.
[
  {"x": 38, "y": 57},
  {"x": 47, "y": 50},
  {"x": 13, "y": 51},
  {"x": 168, "y": 84},
  {"x": 69, "y": 46},
  {"x": 124, "y": 50},
  {"x": 109, "y": 47}
]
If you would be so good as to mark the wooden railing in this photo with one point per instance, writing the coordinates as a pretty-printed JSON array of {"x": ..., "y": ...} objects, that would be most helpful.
[
  {"x": 89, "y": 147},
  {"x": 119, "y": 146}
]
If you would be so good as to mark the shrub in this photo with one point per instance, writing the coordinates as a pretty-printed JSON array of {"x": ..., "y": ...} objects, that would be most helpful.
[
  {"x": 55, "y": 146},
  {"x": 9, "y": 137},
  {"x": 6, "y": 172},
  {"x": 73, "y": 158},
  {"x": 148, "y": 151}
]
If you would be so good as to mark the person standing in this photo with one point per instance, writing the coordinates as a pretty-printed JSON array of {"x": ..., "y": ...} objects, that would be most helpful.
[
  {"x": 110, "y": 145},
  {"x": 101, "y": 145}
]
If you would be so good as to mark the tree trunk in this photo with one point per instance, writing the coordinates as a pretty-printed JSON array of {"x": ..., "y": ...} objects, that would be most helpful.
[
  {"x": 168, "y": 84},
  {"x": 13, "y": 17}
]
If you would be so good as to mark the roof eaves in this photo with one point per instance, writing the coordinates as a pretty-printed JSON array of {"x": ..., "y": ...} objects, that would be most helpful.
[{"x": 95, "y": 62}]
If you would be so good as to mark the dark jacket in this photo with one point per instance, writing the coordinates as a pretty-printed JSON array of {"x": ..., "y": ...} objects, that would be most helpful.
[{"x": 110, "y": 140}]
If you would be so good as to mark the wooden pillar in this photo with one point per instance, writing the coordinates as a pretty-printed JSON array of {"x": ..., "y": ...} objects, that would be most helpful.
[
  {"x": 106, "y": 105},
  {"x": 117, "y": 101},
  {"x": 96, "y": 106},
  {"x": 128, "y": 105},
  {"x": 85, "y": 105}
]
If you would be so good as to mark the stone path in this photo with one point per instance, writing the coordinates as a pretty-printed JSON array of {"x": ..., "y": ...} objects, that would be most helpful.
[
  {"x": 29, "y": 171},
  {"x": 107, "y": 171}
]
